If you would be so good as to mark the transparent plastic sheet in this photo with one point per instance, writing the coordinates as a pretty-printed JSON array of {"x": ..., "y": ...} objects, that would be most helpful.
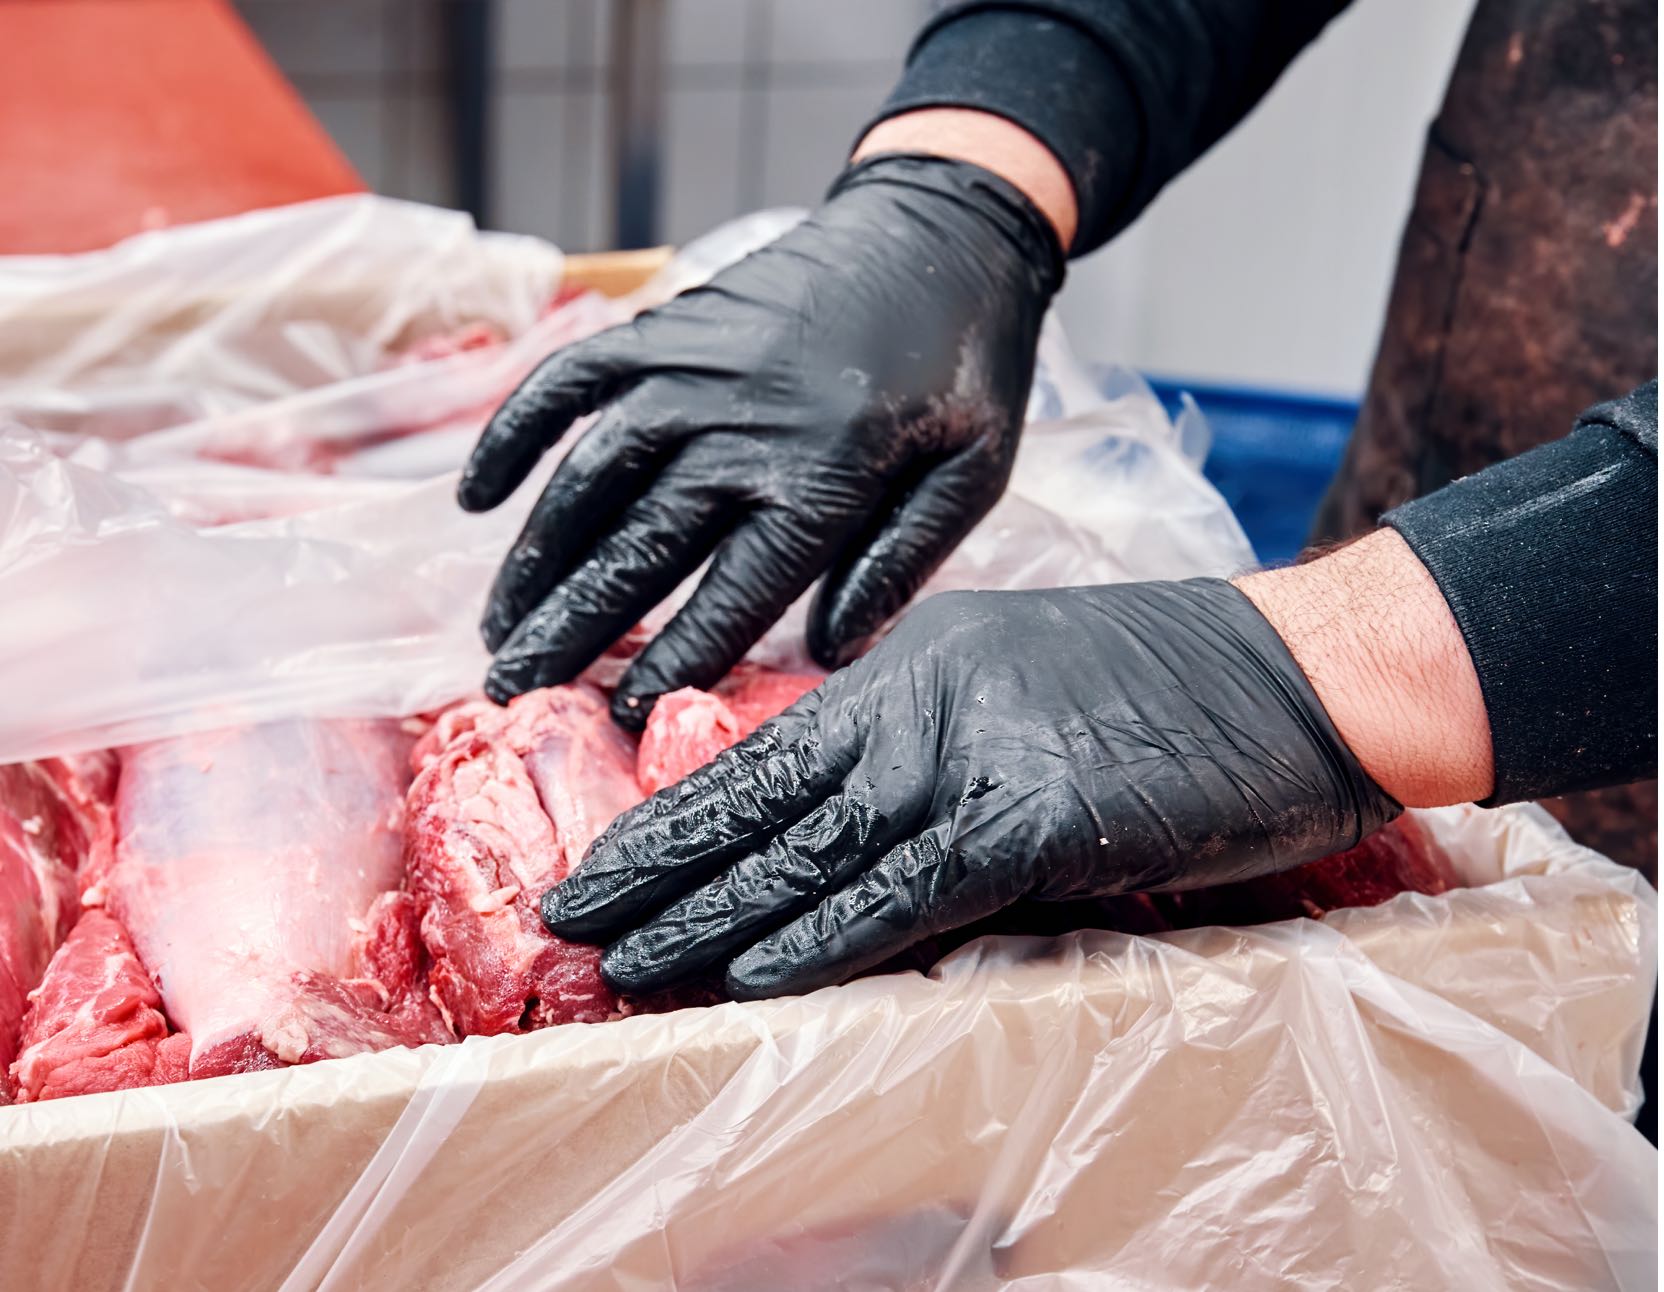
[
  {"x": 208, "y": 319},
  {"x": 357, "y": 596},
  {"x": 1429, "y": 1093},
  {"x": 1424, "y": 1094}
]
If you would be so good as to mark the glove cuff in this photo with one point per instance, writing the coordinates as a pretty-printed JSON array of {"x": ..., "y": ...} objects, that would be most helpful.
[{"x": 967, "y": 187}]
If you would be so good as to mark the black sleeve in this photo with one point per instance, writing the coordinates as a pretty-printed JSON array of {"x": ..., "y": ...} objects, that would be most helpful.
[
  {"x": 1126, "y": 93},
  {"x": 1549, "y": 562}
]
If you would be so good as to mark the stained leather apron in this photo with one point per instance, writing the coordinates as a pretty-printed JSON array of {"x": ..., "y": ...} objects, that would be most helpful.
[{"x": 1527, "y": 283}]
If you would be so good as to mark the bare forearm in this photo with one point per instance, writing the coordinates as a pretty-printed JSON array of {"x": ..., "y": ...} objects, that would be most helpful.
[
  {"x": 988, "y": 141},
  {"x": 1370, "y": 629}
]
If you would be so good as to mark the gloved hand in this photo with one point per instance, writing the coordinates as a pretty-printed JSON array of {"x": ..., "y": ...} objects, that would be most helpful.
[
  {"x": 995, "y": 746},
  {"x": 844, "y": 400}
]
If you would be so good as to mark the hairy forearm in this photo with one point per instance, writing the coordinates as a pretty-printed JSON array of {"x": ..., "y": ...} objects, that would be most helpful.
[
  {"x": 988, "y": 141},
  {"x": 1370, "y": 629}
]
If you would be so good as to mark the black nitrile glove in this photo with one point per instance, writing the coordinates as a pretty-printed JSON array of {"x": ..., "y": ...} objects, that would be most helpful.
[
  {"x": 845, "y": 400},
  {"x": 995, "y": 746}
]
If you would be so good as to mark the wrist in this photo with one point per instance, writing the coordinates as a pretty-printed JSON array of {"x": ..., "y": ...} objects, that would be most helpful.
[
  {"x": 988, "y": 141},
  {"x": 1372, "y": 633}
]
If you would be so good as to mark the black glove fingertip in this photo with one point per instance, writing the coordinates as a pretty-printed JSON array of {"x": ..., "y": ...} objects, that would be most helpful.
[
  {"x": 631, "y": 966},
  {"x": 497, "y": 625},
  {"x": 569, "y": 910},
  {"x": 631, "y": 711},
  {"x": 762, "y": 973},
  {"x": 474, "y": 494}
]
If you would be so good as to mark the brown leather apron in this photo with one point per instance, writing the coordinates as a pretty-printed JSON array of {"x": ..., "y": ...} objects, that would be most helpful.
[{"x": 1527, "y": 283}]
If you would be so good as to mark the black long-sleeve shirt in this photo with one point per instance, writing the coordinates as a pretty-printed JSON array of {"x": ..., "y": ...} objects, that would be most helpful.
[{"x": 1548, "y": 561}]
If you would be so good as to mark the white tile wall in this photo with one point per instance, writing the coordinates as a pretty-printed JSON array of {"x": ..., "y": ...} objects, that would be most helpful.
[
  {"x": 419, "y": 154},
  {"x": 545, "y": 34},
  {"x": 313, "y": 39},
  {"x": 358, "y": 125},
  {"x": 808, "y": 135},
  {"x": 533, "y": 170},
  {"x": 1268, "y": 264},
  {"x": 710, "y": 32},
  {"x": 702, "y": 145},
  {"x": 815, "y": 31}
]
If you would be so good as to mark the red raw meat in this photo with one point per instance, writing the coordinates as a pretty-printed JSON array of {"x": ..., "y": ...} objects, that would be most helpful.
[
  {"x": 95, "y": 1022},
  {"x": 686, "y": 729},
  {"x": 756, "y": 694},
  {"x": 53, "y": 824},
  {"x": 389, "y": 957},
  {"x": 243, "y": 856},
  {"x": 501, "y": 813}
]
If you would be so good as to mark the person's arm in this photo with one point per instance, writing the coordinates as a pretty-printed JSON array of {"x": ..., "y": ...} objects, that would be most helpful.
[
  {"x": 1124, "y": 93},
  {"x": 1373, "y": 635},
  {"x": 1549, "y": 564},
  {"x": 1496, "y": 639},
  {"x": 844, "y": 404}
]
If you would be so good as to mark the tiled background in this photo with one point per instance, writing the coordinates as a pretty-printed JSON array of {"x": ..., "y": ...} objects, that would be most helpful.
[
  {"x": 762, "y": 100},
  {"x": 1268, "y": 264}
]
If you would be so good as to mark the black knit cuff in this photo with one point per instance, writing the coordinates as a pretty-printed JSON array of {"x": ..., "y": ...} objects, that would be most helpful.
[
  {"x": 1011, "y": 61},
  {"x": 1549, "y": 565}
]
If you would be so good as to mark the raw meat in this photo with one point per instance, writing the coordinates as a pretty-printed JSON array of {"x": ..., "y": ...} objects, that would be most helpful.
[
  {"x": 688, "y": 728},
  {"x": 756, "y": 694},
  {"x": 389, "y": 957},
  {"x": 53, "y": 824},
  {"x": 95, "y": 1022},
  {"x": 502, "y": 812},
  {"x": 244, "y": 855}
]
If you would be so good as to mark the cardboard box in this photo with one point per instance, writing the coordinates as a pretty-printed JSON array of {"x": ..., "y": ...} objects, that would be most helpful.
[{"x": 1424, "y": 1094}]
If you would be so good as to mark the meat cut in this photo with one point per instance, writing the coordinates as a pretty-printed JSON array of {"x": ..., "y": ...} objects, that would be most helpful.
[
  {"x": 688, "y": 728},
  {"x": 95, "y": 1022},
  {"x": 55, "y": 826},
  {"x": 244, "y": 857},
  {"x": 505, "y": 803},
  {"x": 292, "y": 902}
]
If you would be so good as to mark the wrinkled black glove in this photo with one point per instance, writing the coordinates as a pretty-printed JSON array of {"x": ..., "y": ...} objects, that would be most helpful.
[
  {"x": 995, "y": 746},
  {"x": 844, "y": 400}
]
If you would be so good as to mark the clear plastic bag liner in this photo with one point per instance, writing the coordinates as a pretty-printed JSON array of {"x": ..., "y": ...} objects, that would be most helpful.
[
  {"x": 207, "y": 319},
  {"x": 1424, "y": 1094},
  {"x": 1429, "y": 1093},
  {"x": 357, "y": 594}
]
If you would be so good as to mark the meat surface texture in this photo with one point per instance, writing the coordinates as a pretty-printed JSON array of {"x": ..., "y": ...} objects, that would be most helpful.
[
  {"x": 688, "y": 728},
  {"x": 95, "y": 1022},
  {"x": 55, "y": 826},
  {"x": 502, "y": 812},
  {"x": 245, "y": 857}
]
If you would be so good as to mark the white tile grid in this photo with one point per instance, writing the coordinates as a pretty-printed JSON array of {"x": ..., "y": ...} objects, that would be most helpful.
[
  {"x": 419, "y": 148},
  {"x": 530, "y": 175},
  {"x": 357, "y": 124},
  {"x": 807, "y": 134},
  {"x": 833, "y": 31},
  {"x": 763, "y": 100},
  {"x": 310, "y": 39},
  {"x": 702, "y": 146},
  {"x": 706, "y": 33},
  {"x": 552, "y": 34}
]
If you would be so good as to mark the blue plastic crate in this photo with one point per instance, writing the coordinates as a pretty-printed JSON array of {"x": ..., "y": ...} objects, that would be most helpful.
[{"x": 1272, "y": 458}]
